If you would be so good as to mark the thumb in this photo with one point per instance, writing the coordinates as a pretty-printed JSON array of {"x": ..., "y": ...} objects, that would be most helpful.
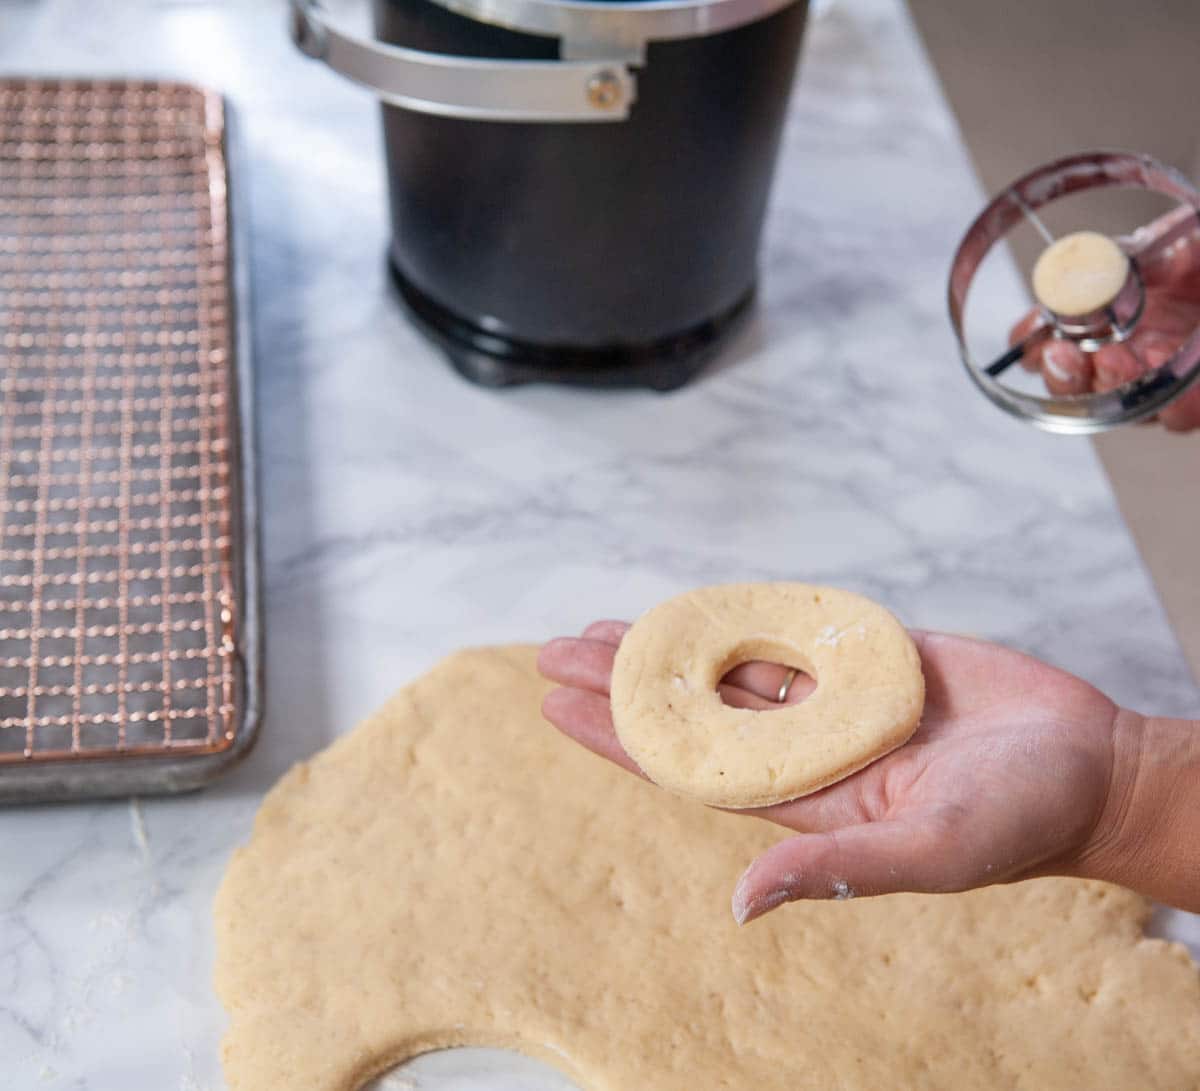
[{"x": 874, "y": 858}]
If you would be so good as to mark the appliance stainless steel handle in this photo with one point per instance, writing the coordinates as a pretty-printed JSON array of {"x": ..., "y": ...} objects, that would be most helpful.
[{"x": 468, "y": 87}]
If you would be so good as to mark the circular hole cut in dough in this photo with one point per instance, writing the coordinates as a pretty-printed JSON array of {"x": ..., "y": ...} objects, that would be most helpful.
[
  {"x": 1080, "y": 274},
  {"x": 673, "y": 723},
  {"x": 799, "y": 688},
  {"x": 471, "y": 1068}
]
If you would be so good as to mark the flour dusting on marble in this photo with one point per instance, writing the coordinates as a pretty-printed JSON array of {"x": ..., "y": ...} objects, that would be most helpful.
[{"x": 137, "y": 828}]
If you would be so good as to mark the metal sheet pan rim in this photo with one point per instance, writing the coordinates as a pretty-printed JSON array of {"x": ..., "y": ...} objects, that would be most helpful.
[{"x": 46, "y": 781}]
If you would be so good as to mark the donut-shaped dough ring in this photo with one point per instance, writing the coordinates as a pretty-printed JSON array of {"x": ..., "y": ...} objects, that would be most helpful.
[{"x": 672, "y": 721}]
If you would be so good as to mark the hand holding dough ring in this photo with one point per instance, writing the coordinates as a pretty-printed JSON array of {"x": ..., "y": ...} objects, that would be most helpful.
[{"x": 672, "y": 721}]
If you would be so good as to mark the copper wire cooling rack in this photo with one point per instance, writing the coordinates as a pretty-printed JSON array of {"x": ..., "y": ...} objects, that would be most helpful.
[{"x": 127, "y": 623}]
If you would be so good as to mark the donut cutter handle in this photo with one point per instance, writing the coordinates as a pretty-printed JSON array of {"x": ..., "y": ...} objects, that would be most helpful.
[{"x": 1134, "y": 400}]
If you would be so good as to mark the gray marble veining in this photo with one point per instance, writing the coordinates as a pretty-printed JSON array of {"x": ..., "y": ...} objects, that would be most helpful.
[{"x": 407, "y": 513}]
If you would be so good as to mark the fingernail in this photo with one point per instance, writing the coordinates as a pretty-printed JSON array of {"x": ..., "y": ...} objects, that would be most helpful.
[
  {"x": 746, "y": 908},
  {"x": 1055, "y": 359},
  {"x": 740, "y": 905}
]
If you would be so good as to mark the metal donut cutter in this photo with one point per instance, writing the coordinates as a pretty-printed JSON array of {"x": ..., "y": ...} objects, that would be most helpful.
[{"x": 1113, "y": 318}]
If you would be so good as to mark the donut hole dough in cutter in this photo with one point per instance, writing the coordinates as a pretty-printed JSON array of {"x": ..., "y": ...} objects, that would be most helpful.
[
  {"x": 1080, "y": 274},
  {"x": 672, "y": 722}
]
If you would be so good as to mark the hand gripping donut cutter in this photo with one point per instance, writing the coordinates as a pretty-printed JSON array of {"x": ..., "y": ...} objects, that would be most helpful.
[{"x": 1095, "y": 282}]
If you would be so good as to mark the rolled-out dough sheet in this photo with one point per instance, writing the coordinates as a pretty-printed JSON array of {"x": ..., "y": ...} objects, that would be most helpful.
[{"x": 455, "y": 871}]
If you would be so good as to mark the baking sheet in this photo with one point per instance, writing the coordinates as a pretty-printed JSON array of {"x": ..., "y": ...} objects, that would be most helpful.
[{"x": 128, "y": 576}]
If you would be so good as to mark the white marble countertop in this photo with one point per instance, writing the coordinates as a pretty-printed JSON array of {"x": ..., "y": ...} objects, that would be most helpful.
[{"x": 407, "y": 513}]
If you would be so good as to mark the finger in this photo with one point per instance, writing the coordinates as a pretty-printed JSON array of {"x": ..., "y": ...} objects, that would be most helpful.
[
  {"x": 1183, "y": 414},
  {"x": 1020, "y": 331},
  {"x": 1153, "y": 347},
  {"x": 1114, "y": 366},
  {"x": 583, "y": 664},
  {"x": 737, "y": 697},
  {"x": 1066, "y": 369},
  {"x": 873, "y": 858},
  {"x": 1170, "y": 317},
  {"x": 1154, "y": 352},
  {"x": 766, "y": 680},
  {"x": 1168, "y": 249},
  {"x": 607, "y": 632},
  {"x": 1167, "y": 324},
  {"x": 585, "y": 717}
]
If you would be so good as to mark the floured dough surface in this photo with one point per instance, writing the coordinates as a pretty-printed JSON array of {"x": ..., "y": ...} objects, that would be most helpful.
[
  {"x": 672, "y": 722},
  {"x": 457, "y": 872}
]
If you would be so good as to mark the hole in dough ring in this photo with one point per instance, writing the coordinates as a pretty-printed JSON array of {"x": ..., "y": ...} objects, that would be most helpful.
[{"x": 673, "y": 723}]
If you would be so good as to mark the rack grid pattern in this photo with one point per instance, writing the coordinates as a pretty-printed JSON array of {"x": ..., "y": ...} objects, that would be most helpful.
[{"x": 118, "y": 611}]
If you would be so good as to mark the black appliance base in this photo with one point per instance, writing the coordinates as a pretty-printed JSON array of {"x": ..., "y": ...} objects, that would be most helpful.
[{"x": 494, "y": 360}]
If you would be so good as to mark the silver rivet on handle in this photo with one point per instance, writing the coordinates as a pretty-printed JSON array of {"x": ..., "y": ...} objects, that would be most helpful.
[{"x": 604, "y": 90}]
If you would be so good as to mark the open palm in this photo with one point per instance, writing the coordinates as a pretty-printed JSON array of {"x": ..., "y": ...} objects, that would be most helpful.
[{"x": 1007, "y": 777}]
